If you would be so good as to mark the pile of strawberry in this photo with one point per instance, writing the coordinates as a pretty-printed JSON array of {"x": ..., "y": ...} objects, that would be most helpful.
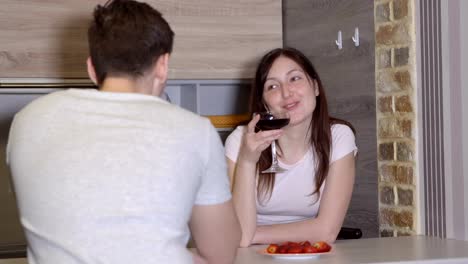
[{"x": 298, "y": 247}]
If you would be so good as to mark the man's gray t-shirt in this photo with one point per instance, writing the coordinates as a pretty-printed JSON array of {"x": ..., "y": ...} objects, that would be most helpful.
[{"x": 106, "y": 177}]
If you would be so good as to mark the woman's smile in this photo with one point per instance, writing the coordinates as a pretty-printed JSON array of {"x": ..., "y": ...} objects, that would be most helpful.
[{"x": 291, "y": 106}]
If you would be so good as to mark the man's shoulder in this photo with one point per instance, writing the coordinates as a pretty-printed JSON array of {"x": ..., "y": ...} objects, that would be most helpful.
[
  {"x": 179, "y": 121},
  {"x": 183, "y": 113},
  {"x": 42, "y": 102}
]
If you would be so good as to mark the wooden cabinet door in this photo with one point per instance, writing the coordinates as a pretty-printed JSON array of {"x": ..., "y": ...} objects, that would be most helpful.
[
  {"x": 348, "y": 76},
  {"x": 214, "y": 39}
]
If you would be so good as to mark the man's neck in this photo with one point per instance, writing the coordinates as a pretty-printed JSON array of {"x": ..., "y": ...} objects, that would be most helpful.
[{"x": 127, "y": 85}]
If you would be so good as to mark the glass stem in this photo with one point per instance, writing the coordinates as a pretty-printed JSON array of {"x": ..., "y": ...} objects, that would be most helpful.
[{"x": 274, "y": 160}]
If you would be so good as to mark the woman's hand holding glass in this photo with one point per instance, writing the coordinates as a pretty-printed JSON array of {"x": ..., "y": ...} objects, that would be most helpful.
[
  {"x": 253, "y": 143},
  {"x": 270, "y": 121}
]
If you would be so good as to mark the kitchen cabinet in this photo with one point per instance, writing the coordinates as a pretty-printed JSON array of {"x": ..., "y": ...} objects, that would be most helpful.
[{"x": 215, "y": 39}]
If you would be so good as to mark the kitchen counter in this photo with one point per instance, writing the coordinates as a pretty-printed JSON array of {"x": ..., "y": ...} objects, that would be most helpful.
[{"x": 411, "y": 249}]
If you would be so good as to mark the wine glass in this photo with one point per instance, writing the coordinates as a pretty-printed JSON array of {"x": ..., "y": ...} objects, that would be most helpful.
[{"x": 270, "y": 121}]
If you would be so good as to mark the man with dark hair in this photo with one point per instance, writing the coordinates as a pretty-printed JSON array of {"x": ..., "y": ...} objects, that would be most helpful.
[{"x": 118, "y": 175}]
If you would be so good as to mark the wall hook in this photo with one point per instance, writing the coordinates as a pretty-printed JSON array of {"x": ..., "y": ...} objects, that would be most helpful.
[
  {"x": 355, "y": 38},
  {"x": 339, "y": 41}
]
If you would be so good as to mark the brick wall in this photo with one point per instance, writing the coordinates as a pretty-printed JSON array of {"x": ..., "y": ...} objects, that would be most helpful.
[{"x": 395, "y": 65}]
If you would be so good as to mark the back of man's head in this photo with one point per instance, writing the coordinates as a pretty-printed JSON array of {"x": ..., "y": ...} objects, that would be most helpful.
[{"x": 126, "y": 38}]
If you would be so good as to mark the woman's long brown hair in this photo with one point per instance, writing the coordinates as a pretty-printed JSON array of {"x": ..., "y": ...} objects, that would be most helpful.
[{"x": 319, "y": 128}]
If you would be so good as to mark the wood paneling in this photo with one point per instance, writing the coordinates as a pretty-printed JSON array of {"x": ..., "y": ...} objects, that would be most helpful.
[
  {"x": 215, "y": 39},
  {"x": 348, "y": 77}
]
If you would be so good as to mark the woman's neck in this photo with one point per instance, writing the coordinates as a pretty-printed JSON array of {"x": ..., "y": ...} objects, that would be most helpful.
[{"x": 294, "y": 143}]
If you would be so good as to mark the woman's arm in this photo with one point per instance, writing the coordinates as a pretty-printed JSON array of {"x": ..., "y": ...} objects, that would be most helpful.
[
  {"x": 333, "y": 207},
  {"x": 242, "y": 174}
]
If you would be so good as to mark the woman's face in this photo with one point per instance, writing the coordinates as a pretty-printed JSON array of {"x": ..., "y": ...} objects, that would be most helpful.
[{"x": 289, "y": 88}]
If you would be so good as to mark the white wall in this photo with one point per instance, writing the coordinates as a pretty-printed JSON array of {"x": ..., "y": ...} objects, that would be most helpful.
[
  {"x": 455, "y": 79},
  {"x": 464, "y": 85}
]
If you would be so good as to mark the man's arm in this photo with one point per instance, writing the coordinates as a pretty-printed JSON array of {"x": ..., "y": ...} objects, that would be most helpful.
[{"x": 216, "y": 232}]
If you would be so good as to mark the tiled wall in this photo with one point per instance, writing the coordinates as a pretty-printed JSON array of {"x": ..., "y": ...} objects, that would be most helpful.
[{"x": 395, "y": 63}]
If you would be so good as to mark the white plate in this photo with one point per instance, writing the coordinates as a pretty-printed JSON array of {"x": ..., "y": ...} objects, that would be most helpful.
[{"x": 293, "y": 256}]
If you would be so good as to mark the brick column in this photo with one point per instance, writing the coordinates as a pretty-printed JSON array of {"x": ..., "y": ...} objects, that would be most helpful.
[{"x": 395, "y": 63}]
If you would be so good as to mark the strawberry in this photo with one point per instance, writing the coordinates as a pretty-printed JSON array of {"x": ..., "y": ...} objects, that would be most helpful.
[
  {"x": 305, "y": 243},
  {"x": 272, "y": 248},
  {"x": 292, "y": 244},
  {"x": 322, "y": 246},
  {"x": 282, "y": 249},
  {"x": 295, "y": 249},
  {"x": 310, "y": 249}
]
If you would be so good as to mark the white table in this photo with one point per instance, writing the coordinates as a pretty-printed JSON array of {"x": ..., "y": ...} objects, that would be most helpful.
[{"x": 411, "y": 249}]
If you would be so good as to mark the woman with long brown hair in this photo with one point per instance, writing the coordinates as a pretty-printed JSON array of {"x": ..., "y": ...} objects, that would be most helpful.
[{"x": 310, "y": 199}]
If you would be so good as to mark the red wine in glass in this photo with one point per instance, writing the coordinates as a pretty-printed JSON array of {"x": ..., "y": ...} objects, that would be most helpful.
[
  {"x": 269, "y": 121},
  {"x": 270, "y": 124}
]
